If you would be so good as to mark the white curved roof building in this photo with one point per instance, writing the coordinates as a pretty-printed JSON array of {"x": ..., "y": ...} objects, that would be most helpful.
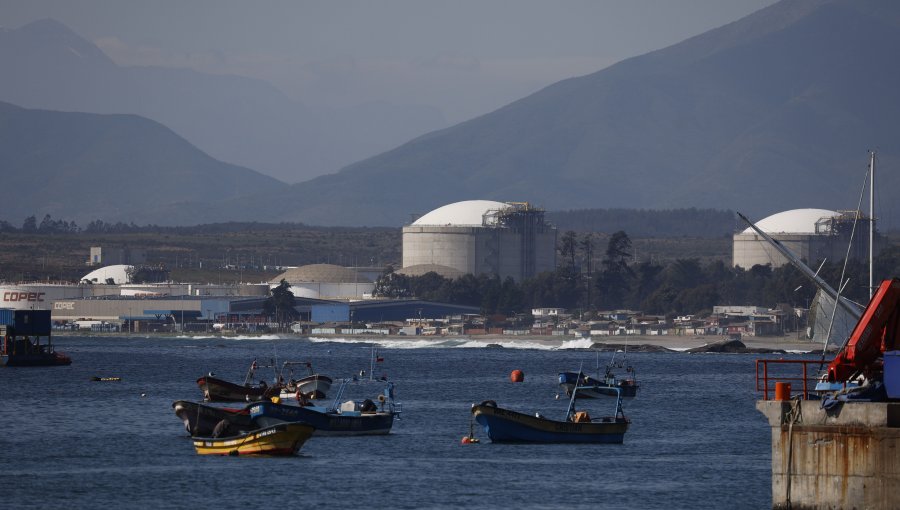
[
  {"x": 325, "y": 281},
  {"x": 116, "y": 275},
  {"x": 796, "y": 221},
  {"x": 507, "y": 239},
  {"x": 811, "y": 234},
  {"x": 469, "y": 213}
]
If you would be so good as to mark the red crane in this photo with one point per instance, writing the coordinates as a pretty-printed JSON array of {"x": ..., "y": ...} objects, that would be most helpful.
[{"x": 876, "y": 332}]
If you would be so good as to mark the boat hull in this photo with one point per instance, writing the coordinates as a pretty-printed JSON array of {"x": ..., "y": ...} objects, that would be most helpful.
[
  {"x": 313, "y": 387},
  {"x": 326, "y": 423},
  {"x": 505, "y": 426},
  {"x": 590, "y": 387},
  {"x": 217, "y": 390},
  {"x": 47, "y": 359},
  {"x": 201, "y": 420},
  {"x": 282, "y": 439}
]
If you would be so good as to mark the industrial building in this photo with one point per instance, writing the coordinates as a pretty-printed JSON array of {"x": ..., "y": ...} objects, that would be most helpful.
[
  {"x": 507, "y": 239},
  {"x": 811, "y": 234},
  {"x": 326, "y": 281}
]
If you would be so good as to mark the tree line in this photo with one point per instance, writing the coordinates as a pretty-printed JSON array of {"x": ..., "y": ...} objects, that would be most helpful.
[{"x": 588, "y": 283}]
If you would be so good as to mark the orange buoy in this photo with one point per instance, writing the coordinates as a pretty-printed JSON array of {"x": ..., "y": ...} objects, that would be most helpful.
[
  {"x": 517, "y": 376},
  {"x": 782, "y": 391},
  {"x": 469, "y": 440}
]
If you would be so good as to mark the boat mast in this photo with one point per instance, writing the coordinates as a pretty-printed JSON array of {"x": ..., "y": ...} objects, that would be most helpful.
[
  {"x": 820, "y": 283},
  {"x": 871, "y": 222}
]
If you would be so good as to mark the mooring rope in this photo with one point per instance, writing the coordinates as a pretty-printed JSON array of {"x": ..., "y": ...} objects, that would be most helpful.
[{"x": 793, "y": 416}]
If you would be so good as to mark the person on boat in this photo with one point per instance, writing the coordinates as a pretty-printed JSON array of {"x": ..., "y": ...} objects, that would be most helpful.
[{"x": 263, "y": 385}]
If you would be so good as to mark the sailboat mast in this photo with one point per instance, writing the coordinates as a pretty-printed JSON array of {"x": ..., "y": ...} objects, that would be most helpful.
[{"x": 871, "y": 222}]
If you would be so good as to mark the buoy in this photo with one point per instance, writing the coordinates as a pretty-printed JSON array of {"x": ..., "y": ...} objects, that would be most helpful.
[
  {"x": 469, "y": 440},
  {"x": 517, "y": 376}
]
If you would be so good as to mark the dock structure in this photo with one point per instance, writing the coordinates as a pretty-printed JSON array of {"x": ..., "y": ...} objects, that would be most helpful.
[
  {"x": 847, "y": 456},
  {"x": 20, "y": 339}
]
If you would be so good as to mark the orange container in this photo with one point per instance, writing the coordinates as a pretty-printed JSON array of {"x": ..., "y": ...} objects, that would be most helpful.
[{"x": 782, "y": 391}]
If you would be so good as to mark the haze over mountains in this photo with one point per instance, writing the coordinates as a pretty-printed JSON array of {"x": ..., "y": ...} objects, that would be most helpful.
[
  {"x": 243, "y": 121},
  {"x": 83, "y": 166},
  {"x": 772, "y": 112}
]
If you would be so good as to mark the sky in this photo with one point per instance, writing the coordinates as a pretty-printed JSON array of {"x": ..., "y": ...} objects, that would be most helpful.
[{"x": 463, "y": 57}]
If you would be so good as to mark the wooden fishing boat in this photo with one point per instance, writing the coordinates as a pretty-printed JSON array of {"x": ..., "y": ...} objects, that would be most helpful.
[
  {"x": 506, "y": 426},
  {"x": 312, "y": 386},
  {"x": 202, "y": 420},
  {"x": 281, "y": 439},
  {"x": 219, "y": 390},
  {"x": 351, "y": 418}
]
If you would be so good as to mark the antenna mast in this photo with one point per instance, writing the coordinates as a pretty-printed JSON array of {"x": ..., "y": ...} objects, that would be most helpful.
[{"x": 871, "y": 222}]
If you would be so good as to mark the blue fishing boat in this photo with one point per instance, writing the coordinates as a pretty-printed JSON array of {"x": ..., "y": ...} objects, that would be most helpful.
[
  {"x": 507, "y": 426},
  {"x": 350, "y": 418},
  {"x": 607, "y": 385}
]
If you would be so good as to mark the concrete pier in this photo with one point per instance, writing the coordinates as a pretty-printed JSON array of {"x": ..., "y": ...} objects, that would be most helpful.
[{"x": 847, "y": 457}]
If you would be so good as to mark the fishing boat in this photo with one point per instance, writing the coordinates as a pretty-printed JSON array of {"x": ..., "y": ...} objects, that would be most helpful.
[
  {"x": 20, "y": 340},
  {"x": 202, "y": 420},
  {"x": 281, "y": 439},
  {"x": 607, "y": 385},
  {"x": 219, "y": 390},
  {"x": 312, "y": 386},
  {"x": 507, "y": 426},
  {"x": 350, "y": 418}
]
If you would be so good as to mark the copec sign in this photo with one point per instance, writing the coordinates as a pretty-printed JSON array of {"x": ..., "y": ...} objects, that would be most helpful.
[
  {"x": 31, "y": 297},
  {"x": 38, "y": 297}
]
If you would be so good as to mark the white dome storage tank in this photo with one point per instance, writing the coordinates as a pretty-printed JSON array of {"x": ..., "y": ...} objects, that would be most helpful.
[
  {"x": 325, "y": 281},
  {"x": 811, "y": 234},
  {"x": 507, "y": 239}
]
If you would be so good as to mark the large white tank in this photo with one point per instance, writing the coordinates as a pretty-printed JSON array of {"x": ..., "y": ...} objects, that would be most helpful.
[
  {"x": 507, "y": 239},
  {"x": 812, "y": 235}
]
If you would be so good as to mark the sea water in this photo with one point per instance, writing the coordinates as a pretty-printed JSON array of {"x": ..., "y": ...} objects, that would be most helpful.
[{"x": 696, "y": 440}]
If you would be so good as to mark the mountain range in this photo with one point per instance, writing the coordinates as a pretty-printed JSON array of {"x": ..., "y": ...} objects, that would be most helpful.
[
  {"x": 84, "y": 166},
  {"x": 772, "y": 112},
  {"x": 45, "y": 65},
  {"x": 775, "y": 111}
]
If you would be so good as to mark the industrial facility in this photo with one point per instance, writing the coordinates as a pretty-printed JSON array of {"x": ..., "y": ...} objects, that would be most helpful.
[
  {"x": 813, "y": 235},
  {"x": 507, "y": 239},
  {"x": 326, "y": 281}
]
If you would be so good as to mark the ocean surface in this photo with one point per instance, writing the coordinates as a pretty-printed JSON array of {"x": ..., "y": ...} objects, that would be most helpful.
[{"x": 696, "y": 440}]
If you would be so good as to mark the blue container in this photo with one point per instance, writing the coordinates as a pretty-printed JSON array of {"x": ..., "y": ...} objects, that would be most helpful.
[
  {"x": 32, "y": 322},
  {"x": 892, "y": 373},
  {"x": 7, "y": 317}
]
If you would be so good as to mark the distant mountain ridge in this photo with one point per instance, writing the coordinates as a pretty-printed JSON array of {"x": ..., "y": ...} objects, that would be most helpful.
[
  {"x": 773, "y": 112},
  {"x": 244, "y": 121},
  {"x": 83, "y": 167}
]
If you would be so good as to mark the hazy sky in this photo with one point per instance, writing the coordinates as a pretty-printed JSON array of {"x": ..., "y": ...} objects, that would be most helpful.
[{"x": 466, "y": 57}]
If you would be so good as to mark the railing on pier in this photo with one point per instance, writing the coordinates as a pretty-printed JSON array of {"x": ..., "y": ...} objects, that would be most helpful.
[{"x": 789, "y": 371}]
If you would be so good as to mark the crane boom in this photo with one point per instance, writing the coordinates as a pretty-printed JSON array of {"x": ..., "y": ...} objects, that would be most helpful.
[{"x": 876, "y": 332}]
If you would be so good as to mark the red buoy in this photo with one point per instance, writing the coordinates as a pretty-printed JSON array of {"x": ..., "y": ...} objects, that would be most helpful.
[{"x": 517, "y": 376}]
